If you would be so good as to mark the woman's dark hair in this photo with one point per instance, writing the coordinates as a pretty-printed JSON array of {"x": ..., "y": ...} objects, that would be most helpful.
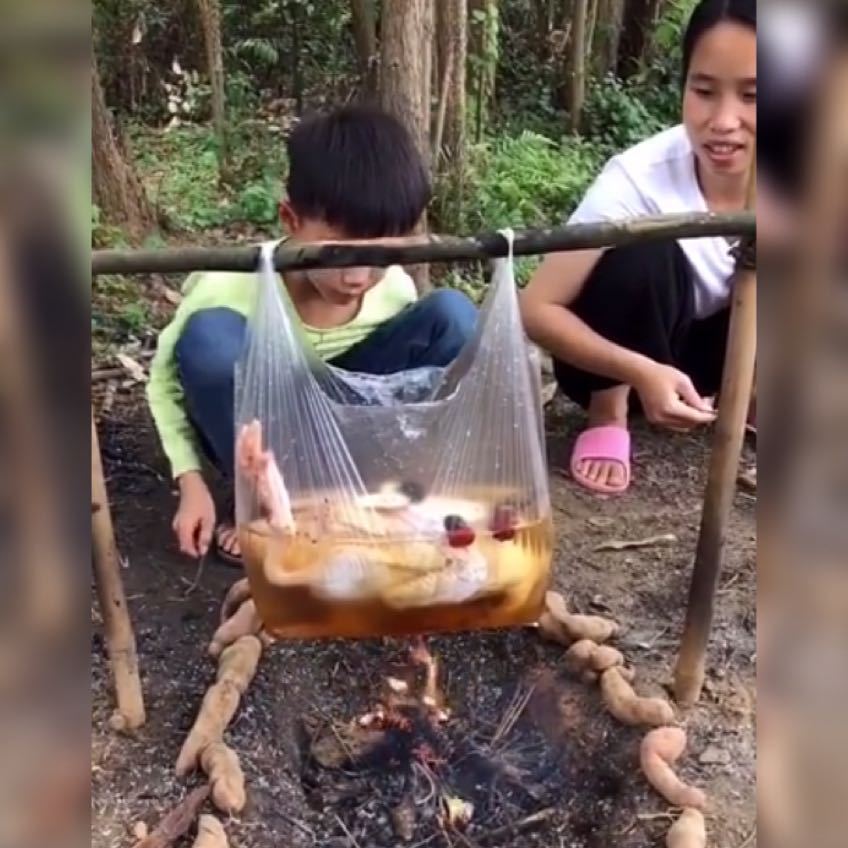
[
  {"x": 358, "y": 169},
  {"x": 710, "y": 13}
]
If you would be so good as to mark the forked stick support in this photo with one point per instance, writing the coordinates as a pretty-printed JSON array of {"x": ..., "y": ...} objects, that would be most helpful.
[
  {"x": 735, "y": 394},
  {"x": 120, "y": 638}
]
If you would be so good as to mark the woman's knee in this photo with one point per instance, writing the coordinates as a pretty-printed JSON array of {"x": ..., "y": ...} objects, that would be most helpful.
[
  {"x": 635, "y": 269},
  {"x": 210, "y": 345}
]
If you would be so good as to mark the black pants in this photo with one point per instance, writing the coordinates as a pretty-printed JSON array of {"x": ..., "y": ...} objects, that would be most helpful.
[{"x": 642, "y": 297}]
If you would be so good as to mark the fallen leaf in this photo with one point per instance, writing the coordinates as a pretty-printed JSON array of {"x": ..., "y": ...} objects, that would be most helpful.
[
  {"x": 403, "y": 819},
  {"x": 714, "y": 755},
  {"x": 748, "y": 479},
  {"x": 601, "y": 521},
  {"x": 399, "y": 687},
  {"x": 337, "y": 747},
  {"x": 133, "y": 368},
  {"x": 172, "y": 296},
  {"x": 457, "y": 813}
]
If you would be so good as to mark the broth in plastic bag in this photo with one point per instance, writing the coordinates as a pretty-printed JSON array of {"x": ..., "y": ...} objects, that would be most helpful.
[{"x": 396, "y": 504}]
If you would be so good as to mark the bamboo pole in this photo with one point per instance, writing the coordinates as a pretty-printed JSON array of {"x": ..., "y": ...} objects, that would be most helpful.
[
  {"x": 735, "y": 394},
  {"x": 418, "y": 249},
  {"x": 120, "y": 639}
]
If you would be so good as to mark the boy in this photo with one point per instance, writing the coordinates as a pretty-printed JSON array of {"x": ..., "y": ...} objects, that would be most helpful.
[{"x": 354, "y": 175}]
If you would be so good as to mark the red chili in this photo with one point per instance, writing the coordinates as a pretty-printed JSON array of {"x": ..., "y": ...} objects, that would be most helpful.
[
  {"x": 503, "y": 523},
  {"x": 461, "y": 537}
]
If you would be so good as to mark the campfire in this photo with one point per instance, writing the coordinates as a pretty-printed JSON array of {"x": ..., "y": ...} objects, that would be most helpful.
[
  {"x": 551, "y": 756},
  {"x": 425, "y": 766}
]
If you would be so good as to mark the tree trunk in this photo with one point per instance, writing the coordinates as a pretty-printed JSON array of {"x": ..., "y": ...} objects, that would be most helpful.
[
  {"x": 607, "y": 36},
  {"x": 577, "y": 83},
  {"x": 591, "y": 28},
  {"x": 541, "y": 24},
  {"x": 483, "y": 29},
  {"x": 297, "y": 74},
  {"x": 564, "y": 54},
  {"x": 405, "y": 70},
  {"x": 210, "y": 19},
  {"x": 428, "y": 64},
  {"x": 117, "y": 190},
  {"x": 365, "y": 36},
  {"x": 453, "y": 32},
  {"x": 638, "y": 22}
]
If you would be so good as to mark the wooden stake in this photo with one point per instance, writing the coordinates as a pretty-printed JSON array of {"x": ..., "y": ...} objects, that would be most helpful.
[
  {"x": 737, "y": 381},
  {"x": 120, "y": 639}
]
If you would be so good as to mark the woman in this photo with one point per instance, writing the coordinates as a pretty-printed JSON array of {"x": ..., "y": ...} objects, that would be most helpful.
[{"x": 654, "y": 317}]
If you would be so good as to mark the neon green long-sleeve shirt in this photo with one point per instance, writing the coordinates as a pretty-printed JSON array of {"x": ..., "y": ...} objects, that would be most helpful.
[{"x": 237, "y": 291}]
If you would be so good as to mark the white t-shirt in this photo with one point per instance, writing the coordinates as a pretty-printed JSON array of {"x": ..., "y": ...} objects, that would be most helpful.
[{"x": 657, "y": 177}]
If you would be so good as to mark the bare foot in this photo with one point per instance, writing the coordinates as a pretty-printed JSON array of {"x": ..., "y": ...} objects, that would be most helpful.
[
  {"x": 606, "y": 408},
  {"x": 227, "y": 543}
]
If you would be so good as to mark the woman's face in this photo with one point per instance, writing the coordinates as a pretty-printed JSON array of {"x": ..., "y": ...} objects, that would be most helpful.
[{"x": 720, "y": 100}]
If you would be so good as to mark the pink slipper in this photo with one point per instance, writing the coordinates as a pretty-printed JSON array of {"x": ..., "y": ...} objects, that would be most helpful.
[{"x": 609, "y": 443}]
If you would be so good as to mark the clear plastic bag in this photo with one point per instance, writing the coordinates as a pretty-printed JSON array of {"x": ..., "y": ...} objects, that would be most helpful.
[{"x": 407, "y": 503}]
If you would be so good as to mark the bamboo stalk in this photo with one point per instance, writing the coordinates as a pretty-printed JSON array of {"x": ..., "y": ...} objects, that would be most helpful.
[
  {"x": 120, "y": 639},
  {"x": 734, "y": 397},
  {"x": 418, "y": 249}
]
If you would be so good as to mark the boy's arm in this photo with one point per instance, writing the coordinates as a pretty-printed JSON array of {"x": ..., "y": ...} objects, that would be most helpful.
[{"x": 167, "y": 404}]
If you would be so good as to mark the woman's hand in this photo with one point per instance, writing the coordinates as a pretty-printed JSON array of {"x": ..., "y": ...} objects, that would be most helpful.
[
  {"x": 194, "y": 522},
  {"x": 669, "y": 398}
]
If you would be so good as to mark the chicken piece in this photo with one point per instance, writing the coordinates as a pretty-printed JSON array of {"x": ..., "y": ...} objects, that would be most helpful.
[
  {"x": 260, "y": 467},
  {"x": 463, "y": 576},
  {"x": 356, "y": 571}
]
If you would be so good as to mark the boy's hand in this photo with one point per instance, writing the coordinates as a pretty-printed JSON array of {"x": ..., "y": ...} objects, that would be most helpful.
[
  {"x": 669, "y": 398},
  {"x": 194, "y": 522}
]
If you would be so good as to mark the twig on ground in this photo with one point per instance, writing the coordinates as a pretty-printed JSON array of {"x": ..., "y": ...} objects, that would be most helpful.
[
  {"x": 729, "y": 583},
  {"x": 749, "y": 838},
  {"x": 348, "y": 834},
  {"x": 654, "y": 816},
  {"x": 201, "y": 562},
  {"x": 424, "y": 842},
  {"x": 649, "y": 542},
  {"x": 301, "y": 826},
  {"x": 521, "y": 826},
  {"x": 431, "y": 781},
  {"x": 512, "y": 714}
]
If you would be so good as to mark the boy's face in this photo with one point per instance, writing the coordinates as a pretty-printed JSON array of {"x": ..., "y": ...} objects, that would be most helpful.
[{"x": 335, "y": 285}]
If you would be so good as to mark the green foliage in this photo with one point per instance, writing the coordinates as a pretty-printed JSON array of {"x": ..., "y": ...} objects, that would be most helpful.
[
  {"x": 104, "y": 234},
  {"x": 658, "y": 85},
  {"x": 258, "y": 201},
  {"x": 120, "y": 313},
  {"x": 523, "y": 181},
  {"x": 180, "y": 171},
  {"x": 283, "y": 54},
  {"x": 616, "y": 117}
]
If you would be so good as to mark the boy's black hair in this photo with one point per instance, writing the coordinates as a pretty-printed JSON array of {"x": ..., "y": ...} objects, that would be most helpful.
[
  {"x": 710, "y": 13},
  {"x": 358, "y": 169}
]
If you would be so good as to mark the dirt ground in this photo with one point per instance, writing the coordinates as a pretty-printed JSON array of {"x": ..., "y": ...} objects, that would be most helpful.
[{"x": 600, "y": 800}]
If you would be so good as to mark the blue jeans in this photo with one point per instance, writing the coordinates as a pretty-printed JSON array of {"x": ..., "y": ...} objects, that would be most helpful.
[{"x": 431, "y": 331}]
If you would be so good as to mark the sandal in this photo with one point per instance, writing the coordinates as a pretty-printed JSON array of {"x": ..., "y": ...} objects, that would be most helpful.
[
  {"x": 223, "y": 549},
  {"x": 608, "y": 443}
]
